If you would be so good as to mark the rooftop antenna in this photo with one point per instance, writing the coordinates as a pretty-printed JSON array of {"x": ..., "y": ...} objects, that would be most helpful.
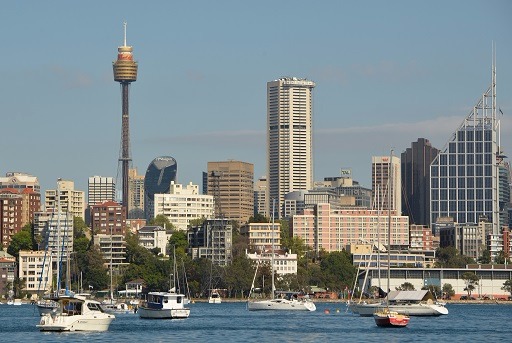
[{"x": 124, "y": 25}]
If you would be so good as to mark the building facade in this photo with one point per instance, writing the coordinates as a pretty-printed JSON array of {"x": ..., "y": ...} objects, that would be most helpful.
[
  {"x": 100, "y": 189},
  {"x": 383, "y": 182},
  {"x": 108, "y": 217},
  {"x": 416, "y": 162},
  {"x": 57, "y": 234},
  {"x": 261, "y": 197},
  {"x": 183, "y": 204},
  {"x": 70, "y": 200},
  {"x": 464, "y": 175},
  {"x": 17, "y": 208},
  {"x": 325, "y": 228},
  {"x": 289, "y": 138},
  {"x": 160, "y": 173},
  {"x": 231, "y": 184},
  {"x": 151, "y": 237},
  {"x": 35, "y": 269},
  {"x": 284, "y": 262},
  {"x": 135, "y": 194},
  {"x": 261, "y": 236},
  {"x": 212, "y": 240},
  {"x": 19, "y": 180}
]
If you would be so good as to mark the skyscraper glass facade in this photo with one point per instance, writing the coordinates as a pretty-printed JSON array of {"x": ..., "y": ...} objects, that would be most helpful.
[
  {"x": 464, "y": 175},
  {"x": 161, "y": 171}
]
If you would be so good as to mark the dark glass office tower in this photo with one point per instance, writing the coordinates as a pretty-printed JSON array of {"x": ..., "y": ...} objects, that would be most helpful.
[
  {"x": 161, "y": 171},
  {"x": 416, "y": 181}
]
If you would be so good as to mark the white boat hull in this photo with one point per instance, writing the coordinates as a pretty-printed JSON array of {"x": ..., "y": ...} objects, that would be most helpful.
[
  {"x": 149, "y": 313},
  {"x": 281, "y": 305},
  {"x": 97, "y": 322},
  {"x": 214, "y": 300},
  {"x": 419, "y": 309}
]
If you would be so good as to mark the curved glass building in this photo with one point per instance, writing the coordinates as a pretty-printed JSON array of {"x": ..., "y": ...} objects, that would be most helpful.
[{"x": 161, "y": 171}]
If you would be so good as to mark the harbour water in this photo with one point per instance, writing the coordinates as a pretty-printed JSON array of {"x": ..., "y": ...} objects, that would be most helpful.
[{"x": 231, "y": 322}]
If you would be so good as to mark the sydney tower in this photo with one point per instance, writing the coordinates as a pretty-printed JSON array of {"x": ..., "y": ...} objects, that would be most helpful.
[{"x": 125, "y": 72}]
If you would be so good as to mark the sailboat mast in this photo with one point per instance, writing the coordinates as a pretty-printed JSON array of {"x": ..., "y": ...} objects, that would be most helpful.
[
  {"x": 272, "y": 258},
  {"x": 390, "y": 184},
  {"x": 59, "y": 257},
  {"x": 111, "y": 248}
]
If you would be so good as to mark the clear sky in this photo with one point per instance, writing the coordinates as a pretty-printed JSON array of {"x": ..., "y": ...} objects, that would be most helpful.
[{"x": 387, "y": 73}]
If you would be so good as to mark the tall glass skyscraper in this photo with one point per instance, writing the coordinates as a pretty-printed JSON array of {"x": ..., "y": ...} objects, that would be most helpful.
[
  {"x": 161, "y": 171},
  {"x": 464, "y": 176}
]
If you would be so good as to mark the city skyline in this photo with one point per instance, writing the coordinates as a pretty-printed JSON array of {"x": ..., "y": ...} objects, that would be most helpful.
[{"x": 386, "y": 74}]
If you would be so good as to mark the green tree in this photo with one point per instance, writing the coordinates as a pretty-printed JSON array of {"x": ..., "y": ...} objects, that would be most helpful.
[
  {"x": 196, "y": 222},
  {"x": 79, "y": 227},
  {"x": 258, "y": 218},
  {"x": 434, "y": 289},
  {"x": 95, "y": 272},
  {"x": 18, "y": 286},
  {"x": 80, "y": 245},
  {"x": 501, "y": 257},
  {"x": 338, "y": 270},
  {"x": 179, "y": 240},
  {"x": 507, "y": 286},
  {"x": 406, "y": 286},
  {"x": 471, "y": 280},
  {"x": 161, "y": 220},
  {"x": 238, "y": 276},
  {"x": 448, "y": 291},
  {"x": 449, "y": 257},
  {"x": 485, "y": 258},
  {"x": 20, "y": 241}
]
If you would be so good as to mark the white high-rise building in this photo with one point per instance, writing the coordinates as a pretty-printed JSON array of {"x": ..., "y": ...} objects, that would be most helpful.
[
  {"x": 381, "y": 182},
  {"x": 101, "y": 189},
  {"x": 289, "y": 139},
  {"x": 183, "y": 204},
  {"x": 71, "y": 200}
]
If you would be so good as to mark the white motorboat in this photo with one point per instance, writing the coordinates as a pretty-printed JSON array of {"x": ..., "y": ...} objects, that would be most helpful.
[
  {"x": 76, "y": 313},
  {"x": 164, "y": 305},
  {"x": 214, "y": 297}
]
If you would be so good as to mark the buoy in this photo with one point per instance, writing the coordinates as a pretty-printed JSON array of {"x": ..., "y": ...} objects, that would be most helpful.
[
  {"x": 326, "y": 311},
  {"x": 337, "y": 310}
]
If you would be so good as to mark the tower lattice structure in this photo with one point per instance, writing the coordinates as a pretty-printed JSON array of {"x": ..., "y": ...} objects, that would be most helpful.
[{"x": 125, "y": 72}]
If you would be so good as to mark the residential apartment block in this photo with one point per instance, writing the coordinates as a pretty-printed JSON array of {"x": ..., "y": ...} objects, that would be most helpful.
[
  {"x": 183, "y": 204},
  {"x": 323, "y": 227}
]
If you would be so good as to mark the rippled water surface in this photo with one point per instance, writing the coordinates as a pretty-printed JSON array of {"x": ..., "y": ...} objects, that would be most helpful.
[{"x": 231, "y": 322}]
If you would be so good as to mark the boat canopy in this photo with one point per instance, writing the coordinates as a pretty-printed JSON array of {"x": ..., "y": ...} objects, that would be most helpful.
[{"x": 422, "y": 295}]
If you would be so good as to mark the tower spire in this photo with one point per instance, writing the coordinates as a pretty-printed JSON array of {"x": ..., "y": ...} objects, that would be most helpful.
[{"x": 124, "y": 25}]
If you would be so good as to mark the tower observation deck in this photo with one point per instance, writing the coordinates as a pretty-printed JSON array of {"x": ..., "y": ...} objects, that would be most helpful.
[{"x": 125, "y": 72}]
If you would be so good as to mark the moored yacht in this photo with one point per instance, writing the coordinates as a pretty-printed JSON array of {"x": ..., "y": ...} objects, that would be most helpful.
[
  {"x": 164, "y": 305},
  {"x": 76, "y": 313}
]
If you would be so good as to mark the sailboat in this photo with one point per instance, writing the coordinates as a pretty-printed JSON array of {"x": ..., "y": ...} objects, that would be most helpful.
[
  {"x": 290, "y": 301},
  {"x": 165, "y": 305},
  {"x": 385, "y": 317},
  {"x": 74, "y": 312}
]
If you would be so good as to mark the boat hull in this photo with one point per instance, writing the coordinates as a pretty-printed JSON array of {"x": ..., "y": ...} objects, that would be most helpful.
[
  {"x": 420, "y": 310},
  {"x": 150, "y": 313},
  {"x": 75, "y": 323},
  {"x": 390, "y": 319},
  {"x": 280, "y": 305},
  {"x": 214, "y": 300}
]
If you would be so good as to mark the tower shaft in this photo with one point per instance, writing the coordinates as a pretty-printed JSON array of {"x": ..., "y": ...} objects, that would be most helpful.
[{"x": 125, "y": 158}]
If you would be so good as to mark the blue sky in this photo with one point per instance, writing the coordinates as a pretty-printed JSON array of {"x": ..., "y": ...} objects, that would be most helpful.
[{"x": 387, "y": 72}]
